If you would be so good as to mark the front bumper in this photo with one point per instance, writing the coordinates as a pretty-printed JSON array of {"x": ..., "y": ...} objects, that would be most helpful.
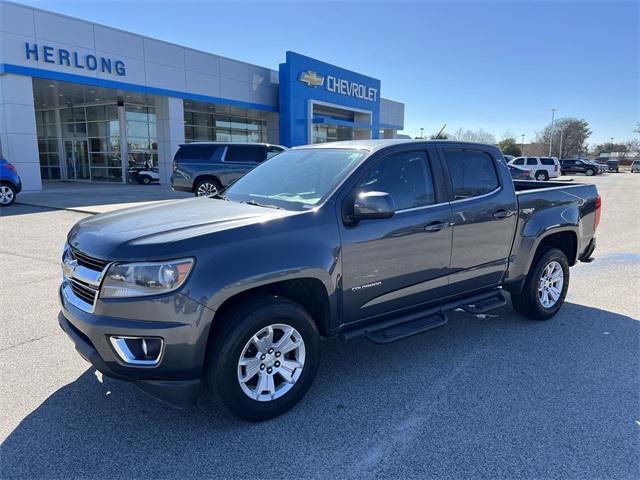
[{"x": 175, "y": 380}]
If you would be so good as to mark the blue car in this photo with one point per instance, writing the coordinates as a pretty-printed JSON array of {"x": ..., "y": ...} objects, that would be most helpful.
[{"x": 10, "y": 184}]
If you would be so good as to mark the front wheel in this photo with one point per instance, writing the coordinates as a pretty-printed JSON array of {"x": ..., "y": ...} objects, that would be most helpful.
[
  {"x": 7, "y": 195},
  {"x": 263, "y": 358},
  {"x": 546, "y": 286},
  {"x": 589, "y": 172}
]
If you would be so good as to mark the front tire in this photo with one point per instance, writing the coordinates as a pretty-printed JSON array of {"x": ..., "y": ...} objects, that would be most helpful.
[
  {"x": 7, "y": 195},
  {"x": 207, "y": 188},
  {"x": 262, "y": 358},
  {"x": 546, "y": 286},
  {"x": 589, "y": 172}
]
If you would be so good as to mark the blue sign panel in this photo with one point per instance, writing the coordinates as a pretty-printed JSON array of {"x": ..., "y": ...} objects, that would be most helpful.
[{"x": 304, "y": 79}]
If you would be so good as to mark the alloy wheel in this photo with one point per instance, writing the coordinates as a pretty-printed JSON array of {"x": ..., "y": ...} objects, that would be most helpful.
[
  {"x": 271, "y": 362},
  {"x": 550, "y": 284},
  {"x": 207, "y": 189},
  {"x": 541, "y": 177},
  {"x": 6, "y": 195}
]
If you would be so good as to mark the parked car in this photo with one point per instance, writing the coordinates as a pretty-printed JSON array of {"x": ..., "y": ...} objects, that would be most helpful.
[
  {"x": 543, "y": 168},
  {"x": 613, "y": 166},
  {"x": 206, "y": 168},
  {"x": 519, "y": 173},
  {"x": 373, "y": 239},
  {"x": 602, "y": 168},
  {"x": 635, "y": 166},
  {"x": 578, "y": 166},
  {"x": 10, "y": 183}
]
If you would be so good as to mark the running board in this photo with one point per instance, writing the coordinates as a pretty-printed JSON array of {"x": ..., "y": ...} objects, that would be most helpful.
[
  {"x": 410, "y": 324},
  {"x": 493, "y": 302}
]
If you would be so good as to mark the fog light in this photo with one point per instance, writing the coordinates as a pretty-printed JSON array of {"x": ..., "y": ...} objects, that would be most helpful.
[{"x": 143, "y": 351}]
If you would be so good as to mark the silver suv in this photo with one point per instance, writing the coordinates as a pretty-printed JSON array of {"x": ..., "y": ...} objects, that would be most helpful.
[{"x": 206, "y": 168}]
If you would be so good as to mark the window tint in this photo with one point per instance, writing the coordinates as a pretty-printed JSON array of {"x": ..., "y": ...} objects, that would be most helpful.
[
  {"x": 532, "y": 161},
  {"x": 472, "y": 173},
  {"x": 195, "y": 152},
  {"x": 404, "y": 176},
  {"x": 547, "y": 161},
  {"x": 271, "y": 151},
  {"x": 245, "y": 153},
  {"x": 519, "y": 161}
]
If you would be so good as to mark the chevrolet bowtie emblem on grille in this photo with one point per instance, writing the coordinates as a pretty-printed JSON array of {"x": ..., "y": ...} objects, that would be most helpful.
[
  {"x": 69, "y": 267},
  {"x": 311, "y": 78}
]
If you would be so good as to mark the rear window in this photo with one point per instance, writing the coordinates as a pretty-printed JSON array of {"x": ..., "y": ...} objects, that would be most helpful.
[
  {"x": 245, "y": 153},
  {"x": 195, "y": 152},
  {"x": 547, "y": 161},
  {"x": 472, "y": 172}
]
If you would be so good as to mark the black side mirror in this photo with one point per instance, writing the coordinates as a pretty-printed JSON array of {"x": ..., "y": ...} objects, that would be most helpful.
[{"x": 371, "y": 205}]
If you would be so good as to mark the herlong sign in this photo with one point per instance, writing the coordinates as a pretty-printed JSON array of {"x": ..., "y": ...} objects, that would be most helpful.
[{"x": 74, "y": 59}]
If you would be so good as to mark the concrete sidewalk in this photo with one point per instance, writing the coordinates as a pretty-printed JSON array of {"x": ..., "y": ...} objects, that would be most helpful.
[{"x": 97, "y": 197}]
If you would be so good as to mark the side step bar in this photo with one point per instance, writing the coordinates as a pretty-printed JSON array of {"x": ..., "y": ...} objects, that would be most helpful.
[{"x": 410, "y": 324}]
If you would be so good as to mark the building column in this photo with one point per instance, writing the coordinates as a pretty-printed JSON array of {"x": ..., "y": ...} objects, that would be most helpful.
[
  {"x": 18, "y": 134},
  {"x": 170, "y": 126}
]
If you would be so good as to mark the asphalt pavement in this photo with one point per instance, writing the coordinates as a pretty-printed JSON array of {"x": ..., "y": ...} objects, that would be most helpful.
[{"x": 495, "y": 397}]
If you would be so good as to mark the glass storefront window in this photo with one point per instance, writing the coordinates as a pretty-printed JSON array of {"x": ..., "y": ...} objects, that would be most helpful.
[{"x": 223, "y": 124}]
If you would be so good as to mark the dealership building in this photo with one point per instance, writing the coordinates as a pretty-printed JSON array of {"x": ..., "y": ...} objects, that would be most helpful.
[{"x": 85, "y": 102}]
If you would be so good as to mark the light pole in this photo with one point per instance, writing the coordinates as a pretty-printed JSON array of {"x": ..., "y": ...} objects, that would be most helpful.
[
  {"x": 421, "y": 133},
  {"x": 561, "y": 137},
  {"x": 522, "y": 144},
  {"x": 553, "y": 116}
]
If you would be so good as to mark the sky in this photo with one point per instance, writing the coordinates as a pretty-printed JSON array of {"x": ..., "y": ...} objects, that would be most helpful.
[{"x": 500, "y": 66}]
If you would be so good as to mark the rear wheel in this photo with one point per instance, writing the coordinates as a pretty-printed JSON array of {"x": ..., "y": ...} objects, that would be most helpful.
[
  {"x": 144, "y": 179},
  {"x": 7, "y": 195},
  {"x": 263, "y": 358},
  {"x": 208, "y": 188},
  {"x": 545, "y": 288},
  {"x": 542, "y": 176}
]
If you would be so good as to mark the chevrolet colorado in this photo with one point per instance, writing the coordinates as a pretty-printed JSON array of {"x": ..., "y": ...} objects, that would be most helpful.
[{"x": 374, "y": 239}]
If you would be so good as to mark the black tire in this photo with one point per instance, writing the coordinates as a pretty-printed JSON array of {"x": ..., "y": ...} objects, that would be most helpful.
[
  {"x": 528, "y": 302},
  {"x": 206, "y": 181},
  {"x": 144, "y": 179},
  {"x": 542, "y": 176},
  {"x": 589, "y": 172},
  {"x": 7, "y": 194},
  {"x": 228, "y": 341}
]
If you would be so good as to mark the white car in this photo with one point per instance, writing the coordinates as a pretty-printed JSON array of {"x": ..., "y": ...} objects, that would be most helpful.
[{"x": 542, "y": 168}]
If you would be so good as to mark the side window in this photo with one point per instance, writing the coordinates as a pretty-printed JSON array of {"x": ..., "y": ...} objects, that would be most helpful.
[
  {"x": 472, "y": 172},
  {"x": 272, "y": 151},
  {"x": 532, "y": 161},
  {"x": 404, "y": 176},
  {"x": 519, "y": 161},
  {"x": 195, "y": 152},
  {"x": 245, "y": 153},
  {"x": 547, "y": 161}
]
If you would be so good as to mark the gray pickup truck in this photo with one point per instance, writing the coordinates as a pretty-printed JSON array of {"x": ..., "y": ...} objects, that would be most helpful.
[{"x": 230, "y": 296}]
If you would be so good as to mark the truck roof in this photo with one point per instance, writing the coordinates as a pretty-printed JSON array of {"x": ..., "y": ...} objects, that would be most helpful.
[{"x": 373, "y": 145}]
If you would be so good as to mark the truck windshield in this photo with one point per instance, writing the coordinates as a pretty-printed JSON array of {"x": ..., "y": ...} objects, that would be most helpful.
[{"x": 295, "y": 179}]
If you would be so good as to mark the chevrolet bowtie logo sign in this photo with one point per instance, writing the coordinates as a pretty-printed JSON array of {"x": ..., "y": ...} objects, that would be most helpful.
[{"x": 311, "y": 78}]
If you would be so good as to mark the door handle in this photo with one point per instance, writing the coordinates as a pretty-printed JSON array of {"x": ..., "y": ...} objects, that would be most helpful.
[
  {"x": 500, "y": 214},
  {"x": 434, "y": 226}
]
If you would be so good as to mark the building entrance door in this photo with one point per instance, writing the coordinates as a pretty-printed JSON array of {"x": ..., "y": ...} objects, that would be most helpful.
[{"x": 76, "y": 153}]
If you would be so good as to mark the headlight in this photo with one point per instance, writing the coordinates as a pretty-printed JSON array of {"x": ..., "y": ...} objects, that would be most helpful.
[{"x": 141, "y": 279}]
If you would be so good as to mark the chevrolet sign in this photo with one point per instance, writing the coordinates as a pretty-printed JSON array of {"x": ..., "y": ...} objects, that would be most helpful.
[
  {"x": 312, "y": 79},
  {"x": 339, "y": 86}
]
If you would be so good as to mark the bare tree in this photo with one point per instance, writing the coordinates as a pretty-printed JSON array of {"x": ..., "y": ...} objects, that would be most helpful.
[
  {"x": 574, "y": 133},
  {"x": 479, "y": 135}
]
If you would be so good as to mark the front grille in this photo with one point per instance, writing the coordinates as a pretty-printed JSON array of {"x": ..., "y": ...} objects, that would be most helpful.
[
  {"x": 84, "y": 291},
  {"x": 87, "y": 261}
]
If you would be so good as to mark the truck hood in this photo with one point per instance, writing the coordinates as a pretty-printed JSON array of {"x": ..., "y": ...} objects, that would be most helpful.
[{"x": 137, "y": 233}]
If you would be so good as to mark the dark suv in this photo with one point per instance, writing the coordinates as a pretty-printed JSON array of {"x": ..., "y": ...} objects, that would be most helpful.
[
  {"x": 205, "y": 168},
  {"x": 578, "y": 166}
]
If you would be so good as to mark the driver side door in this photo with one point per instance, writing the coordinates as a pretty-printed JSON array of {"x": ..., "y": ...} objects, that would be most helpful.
[{"x": 395, "y": 263}]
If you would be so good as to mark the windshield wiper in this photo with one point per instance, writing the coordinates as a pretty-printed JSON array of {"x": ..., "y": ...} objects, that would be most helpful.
[{"x": 253, "y": 202}]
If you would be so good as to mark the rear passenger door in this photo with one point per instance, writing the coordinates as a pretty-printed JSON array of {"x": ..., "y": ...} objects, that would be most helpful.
[
  {"x": 484, "y": 215},
  {"x": 239, "y": 159}
]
